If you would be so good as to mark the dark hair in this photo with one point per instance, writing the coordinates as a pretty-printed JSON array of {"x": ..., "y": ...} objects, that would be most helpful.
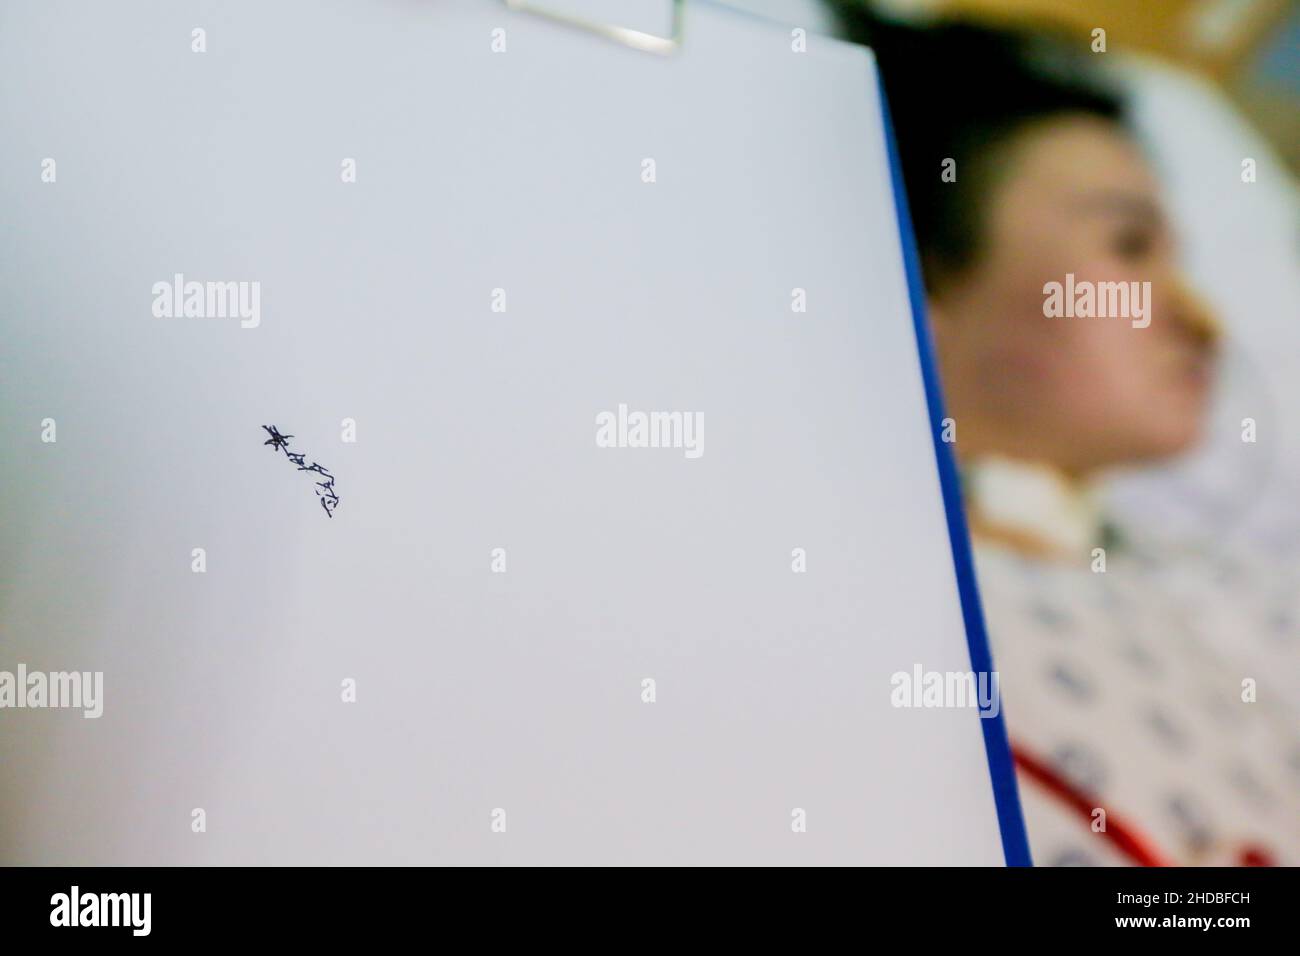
[{"x": 958, "y": 91}]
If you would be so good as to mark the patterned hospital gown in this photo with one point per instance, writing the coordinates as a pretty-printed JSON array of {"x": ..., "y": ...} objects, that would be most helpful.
[{"x": 1133, "y": 685}]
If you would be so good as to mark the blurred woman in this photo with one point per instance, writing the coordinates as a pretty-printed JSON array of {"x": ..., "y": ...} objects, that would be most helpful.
[{"x": 1136, "y": 740}]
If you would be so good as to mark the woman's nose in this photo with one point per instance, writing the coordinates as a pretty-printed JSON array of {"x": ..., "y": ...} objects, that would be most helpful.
[{"x": 1192, "y": 315}]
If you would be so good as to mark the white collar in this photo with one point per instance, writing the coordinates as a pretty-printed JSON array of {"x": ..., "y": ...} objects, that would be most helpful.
[{"x": 1034, "y": 501}]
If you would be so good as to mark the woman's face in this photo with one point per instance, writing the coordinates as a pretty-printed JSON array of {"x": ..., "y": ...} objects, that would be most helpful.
[{"x": 1074, "y": 196}]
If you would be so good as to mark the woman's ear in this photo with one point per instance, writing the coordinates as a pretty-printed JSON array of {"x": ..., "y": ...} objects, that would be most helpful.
[
  {"x": 946, "y": 330},
  {"x": 937, "y": 311}
]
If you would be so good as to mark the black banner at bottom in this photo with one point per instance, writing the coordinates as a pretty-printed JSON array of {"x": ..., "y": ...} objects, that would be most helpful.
[{"x": 369, "y": 905}]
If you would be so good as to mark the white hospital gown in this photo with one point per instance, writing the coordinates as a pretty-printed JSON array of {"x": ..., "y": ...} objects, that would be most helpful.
[{"x": 1129, "y": 683}]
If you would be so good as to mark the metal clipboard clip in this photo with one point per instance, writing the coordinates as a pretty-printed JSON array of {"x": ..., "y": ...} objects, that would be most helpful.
[{"x": 637, "y": 39}]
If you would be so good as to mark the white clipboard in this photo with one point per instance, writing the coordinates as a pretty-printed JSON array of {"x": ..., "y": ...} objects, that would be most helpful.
[{"x": 476, "y": 690}]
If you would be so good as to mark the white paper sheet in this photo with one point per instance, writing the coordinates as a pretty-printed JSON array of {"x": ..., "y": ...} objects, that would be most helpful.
[{"x": 475, "y": 430}]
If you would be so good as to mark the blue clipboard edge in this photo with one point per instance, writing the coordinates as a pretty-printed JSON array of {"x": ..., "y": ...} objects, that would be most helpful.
[{"x": 1006, "y": 796}]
